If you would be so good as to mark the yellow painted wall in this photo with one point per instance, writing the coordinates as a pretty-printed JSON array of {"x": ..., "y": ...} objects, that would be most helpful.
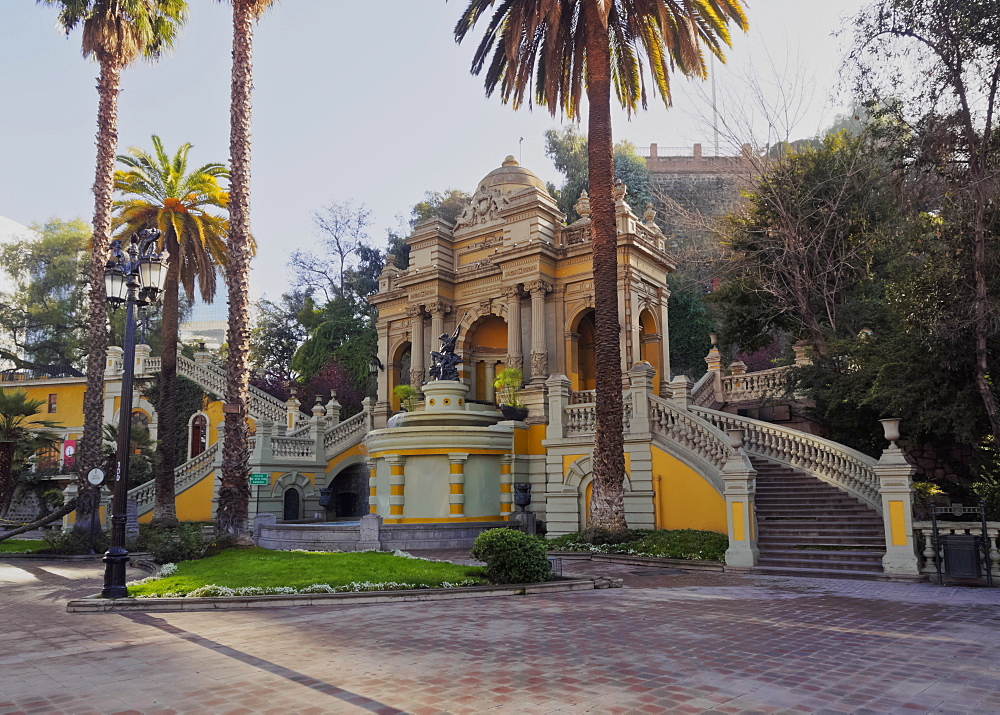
[
  {"x": 491, "y": 333},
  {"x": 195, "y": 502},
  {"x": 69, "y": 402},
  {"x": 684, "y": 499},
  {"x": 357, "y": 450},
  {"x": 529, "y": 441}
]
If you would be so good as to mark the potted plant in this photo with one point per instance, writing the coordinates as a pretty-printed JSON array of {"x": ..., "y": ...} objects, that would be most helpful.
[
  {"x": 508, "y": 387},
  {"x": 407, "y": 395}
]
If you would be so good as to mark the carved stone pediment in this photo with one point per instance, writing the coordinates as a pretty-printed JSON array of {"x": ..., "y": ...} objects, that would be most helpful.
[{"x": 485, "y": 206}]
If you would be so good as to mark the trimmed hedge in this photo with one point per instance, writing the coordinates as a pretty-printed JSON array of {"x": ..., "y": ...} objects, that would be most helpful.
[{"x": 511, "y": 556}]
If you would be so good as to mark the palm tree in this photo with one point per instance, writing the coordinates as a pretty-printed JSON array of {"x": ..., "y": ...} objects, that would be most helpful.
[
  {"x": 159, "y": 192},
  {"x": 115, "y": 33},
  {"x": 557, "y": 51},
  {"x": 234, "y": 491},
  {"x": 18, "y": 427}
]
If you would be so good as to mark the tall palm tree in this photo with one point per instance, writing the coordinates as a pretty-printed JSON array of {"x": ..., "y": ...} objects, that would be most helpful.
[
  {"x": 159, "y": 192},
  {"x": 557, "y": 51},
  {"x": 19, "y": 426},
  {"x": 234, "y": 491},
  {"x": 115, "y": 33}
]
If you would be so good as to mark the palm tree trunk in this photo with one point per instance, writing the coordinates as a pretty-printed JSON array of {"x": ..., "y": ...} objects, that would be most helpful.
[
  {"x": 6, "y": 476},
  {"x": 108, "y": 86},
  {"x": 234, "y": 491},
  {"x": 607, "y": 508},
  {"x": 164, "y": 508}
]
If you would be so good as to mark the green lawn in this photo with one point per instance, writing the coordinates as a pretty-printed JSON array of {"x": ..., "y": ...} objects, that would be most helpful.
[
  {"x": 670, "y": 544},
  {"x": 263, "y": 569},
  {"x": 21, "y": 546}
]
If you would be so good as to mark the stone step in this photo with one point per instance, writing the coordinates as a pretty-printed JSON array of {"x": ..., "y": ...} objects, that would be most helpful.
[
  {"x": 839, "y": 555},
  {"x": 817, "y": 573},
  {"x": 867, "y": 541},
  {"x": 857, "y": 566},
  {"x": 778, "y": 504}
]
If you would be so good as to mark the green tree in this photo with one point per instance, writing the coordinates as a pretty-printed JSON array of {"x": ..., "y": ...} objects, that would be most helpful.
[
  {"x": 568, "y": 151},
  {"x": 234, "y": 492},
  {"x": 340, "y": 332},
  {"x": 159, "y": 191},
  {"x": 932, "y": 69},
  {"x": 446, "y": 205},
  {"x": 19, "y": 424},
  {"x": 558, "y": 51},
  {"x": 277, "y": 334},
  {"x": 44, "y": 315},
  {"x": 115, "y": 33}
]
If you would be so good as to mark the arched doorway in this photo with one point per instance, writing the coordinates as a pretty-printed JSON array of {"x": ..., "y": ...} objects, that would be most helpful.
[
  {"x": 399, "y": 371},
  {"x": 581, "y": 368},
  {"x": 292, "y": 505},
  {"x": 650, "y": 345},
  {"x": 349, "y": 493},
  {"x": 486, "y": 354}
]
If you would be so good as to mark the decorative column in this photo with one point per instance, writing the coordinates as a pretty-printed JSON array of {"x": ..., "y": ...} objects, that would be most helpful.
[
  {"x": 506, "y": 485},
  {"x": 641, "y": 384},
  {"x": 489, "y": 374},
  {"x": 397, "y": 485},
  {"x": 438, "y": 309},
  {"x": 895, "y": 477},
  {"x": 559, "y": 388},
  {"x": 539, "y": 355},
  {"x": 372, "y": 487},
  {"x": 292, "y": 409},
  {"x": 418, "y": 347},
  {"x": 456, "y": 473},
  {"x": 714, "y": 362},
  {"x": 740, "y": 478},
  {"x": 515, "y": 358}
]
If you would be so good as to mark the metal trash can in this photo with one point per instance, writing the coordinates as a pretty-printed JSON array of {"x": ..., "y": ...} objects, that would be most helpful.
[{"x": 962, "y": 555}]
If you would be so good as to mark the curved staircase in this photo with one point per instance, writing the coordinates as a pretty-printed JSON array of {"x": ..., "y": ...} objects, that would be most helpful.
[{"x": 807, "y": 527}]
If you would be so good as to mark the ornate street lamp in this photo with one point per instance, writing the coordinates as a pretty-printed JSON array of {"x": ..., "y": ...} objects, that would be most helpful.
[{"x": 131, "y": 278}]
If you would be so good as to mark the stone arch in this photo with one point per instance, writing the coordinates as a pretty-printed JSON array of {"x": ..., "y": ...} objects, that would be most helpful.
[
  {"x": 651, "y": 344},
  {"x": 580, "y": 356},
  {"x": 348, "y": 487},
  {"x": 293, "y": 479},
  {"x": 578, "y": 479},
  {"x": 399, "y": 368},
  {"x": 194, "y": 433},
  {"x": 484, "y": 352}
]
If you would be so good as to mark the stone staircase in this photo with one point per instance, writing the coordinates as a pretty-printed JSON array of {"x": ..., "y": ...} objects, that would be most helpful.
[{"x": 807, "y": 527}]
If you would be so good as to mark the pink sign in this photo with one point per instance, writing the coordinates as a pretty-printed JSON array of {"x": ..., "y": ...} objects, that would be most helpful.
[{"x": 69, "y": 452}]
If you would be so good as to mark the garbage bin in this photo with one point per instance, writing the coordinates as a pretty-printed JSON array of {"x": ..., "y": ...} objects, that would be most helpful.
[{"x": 962, "y": 555}]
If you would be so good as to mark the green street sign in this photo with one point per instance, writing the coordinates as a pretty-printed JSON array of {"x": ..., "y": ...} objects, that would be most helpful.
[{"x": 259, "y": 479}]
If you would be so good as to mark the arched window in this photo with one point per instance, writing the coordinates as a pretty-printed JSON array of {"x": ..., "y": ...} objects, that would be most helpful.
[{"x": 199, "y": 435}]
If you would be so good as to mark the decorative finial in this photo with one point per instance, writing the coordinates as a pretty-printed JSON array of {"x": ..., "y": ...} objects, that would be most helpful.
[
  {"x": 582, "y": 206},
  {"x": 510, "y": 161},
  {"x": 619, "y": 190},
  {"x": 650, "y": 214}
]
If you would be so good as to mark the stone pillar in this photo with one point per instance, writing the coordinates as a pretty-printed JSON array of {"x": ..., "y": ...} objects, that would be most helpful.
[
  {"x": 515, "y": 358},
  {"x": 680, "y": 391},
  {"x": 372, "y": 486},
  {"x": 456, "y": 472},
  {"x": 801, "y": 350},
  {"x": 489, "y": 374},
  {"x": 263, "y": 452},
  {"x": 142, "y": 352},
  {"x": 370, "y": 537},
  {"x": 539, "y": 354},
  {"x": 558, "y": 400},
  {"x": 113, "y": 362},
  {"x": 714, "y": 362},
  {"x": 333, "y": 408},
  {"x": 317, "y": 430},
  {"x": 739, "y": 478},
  {"x": 438, "y": 309},
  {"x": 418, "y": 346},
  {"x": 397, "y": 487},
  {"x": 641, "y": 383},
  {"x": 292, "y": 408},
  {"x": 895, "y": 477},
  {"x": 506, "y": 485}
]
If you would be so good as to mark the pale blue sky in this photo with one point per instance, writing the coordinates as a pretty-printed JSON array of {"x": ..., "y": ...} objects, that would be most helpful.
[{"x": 365, "y": 100}]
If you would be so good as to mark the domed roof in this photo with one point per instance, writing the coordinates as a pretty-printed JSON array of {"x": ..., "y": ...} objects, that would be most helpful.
[{"x": 510, "y": 177}]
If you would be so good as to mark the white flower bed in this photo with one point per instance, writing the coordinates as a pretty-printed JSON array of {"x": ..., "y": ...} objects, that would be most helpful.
[{"x": 212, "y": 590}]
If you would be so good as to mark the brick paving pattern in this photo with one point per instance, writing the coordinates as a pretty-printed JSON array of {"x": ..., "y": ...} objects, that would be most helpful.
[{"x": 668, "y": 642}]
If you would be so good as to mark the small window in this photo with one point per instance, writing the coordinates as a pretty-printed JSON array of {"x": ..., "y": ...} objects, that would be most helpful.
[{"x": 52, "y": 403}]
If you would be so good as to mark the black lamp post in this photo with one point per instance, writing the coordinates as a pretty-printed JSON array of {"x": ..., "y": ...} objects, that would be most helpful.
[
  {"x": 133, "y": 278},
  {"x": 374, "y": 365}
]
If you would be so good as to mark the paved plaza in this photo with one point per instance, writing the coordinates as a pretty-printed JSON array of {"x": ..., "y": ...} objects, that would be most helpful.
[{"x": 669, "y": 641}]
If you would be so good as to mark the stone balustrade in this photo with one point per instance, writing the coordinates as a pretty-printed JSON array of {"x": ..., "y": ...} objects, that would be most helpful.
[
  {"x": 923, "y": 532},
  {"x": 695, "y": 435},
  {"x": 346, "y": 433},
  {"x": 293, "y": 448},
  {"x": 191, "y": 472},
  {"x": 845, "y": 468},
  {"x": 753, "y": 386}
]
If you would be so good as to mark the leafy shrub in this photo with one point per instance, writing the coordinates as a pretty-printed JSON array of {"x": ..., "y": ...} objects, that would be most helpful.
[
  {"x": 74, "y": 542},
  {"x": 988, "y": 491},
  {"x": 690, "y": 544},
  {"x": 171, "y": 543},
  {"x": 511, "y": 556}
]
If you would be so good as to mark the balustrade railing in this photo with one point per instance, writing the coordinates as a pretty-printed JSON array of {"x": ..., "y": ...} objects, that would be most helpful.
[
  {"x": 924, "y": 533},
  {"x": 703, "y": 392},
  {"x": 581, "y": 419},
  {"x": 843, "y": 467},
  {"x": 293, "y": 448},
  {"x": 340, "y": 436},
  {"x": 582, "y": 397},
  {"x": 695, "y": 435},
  {"x": 752, "y": 386},
  {"x": 262, "y": 405}
]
